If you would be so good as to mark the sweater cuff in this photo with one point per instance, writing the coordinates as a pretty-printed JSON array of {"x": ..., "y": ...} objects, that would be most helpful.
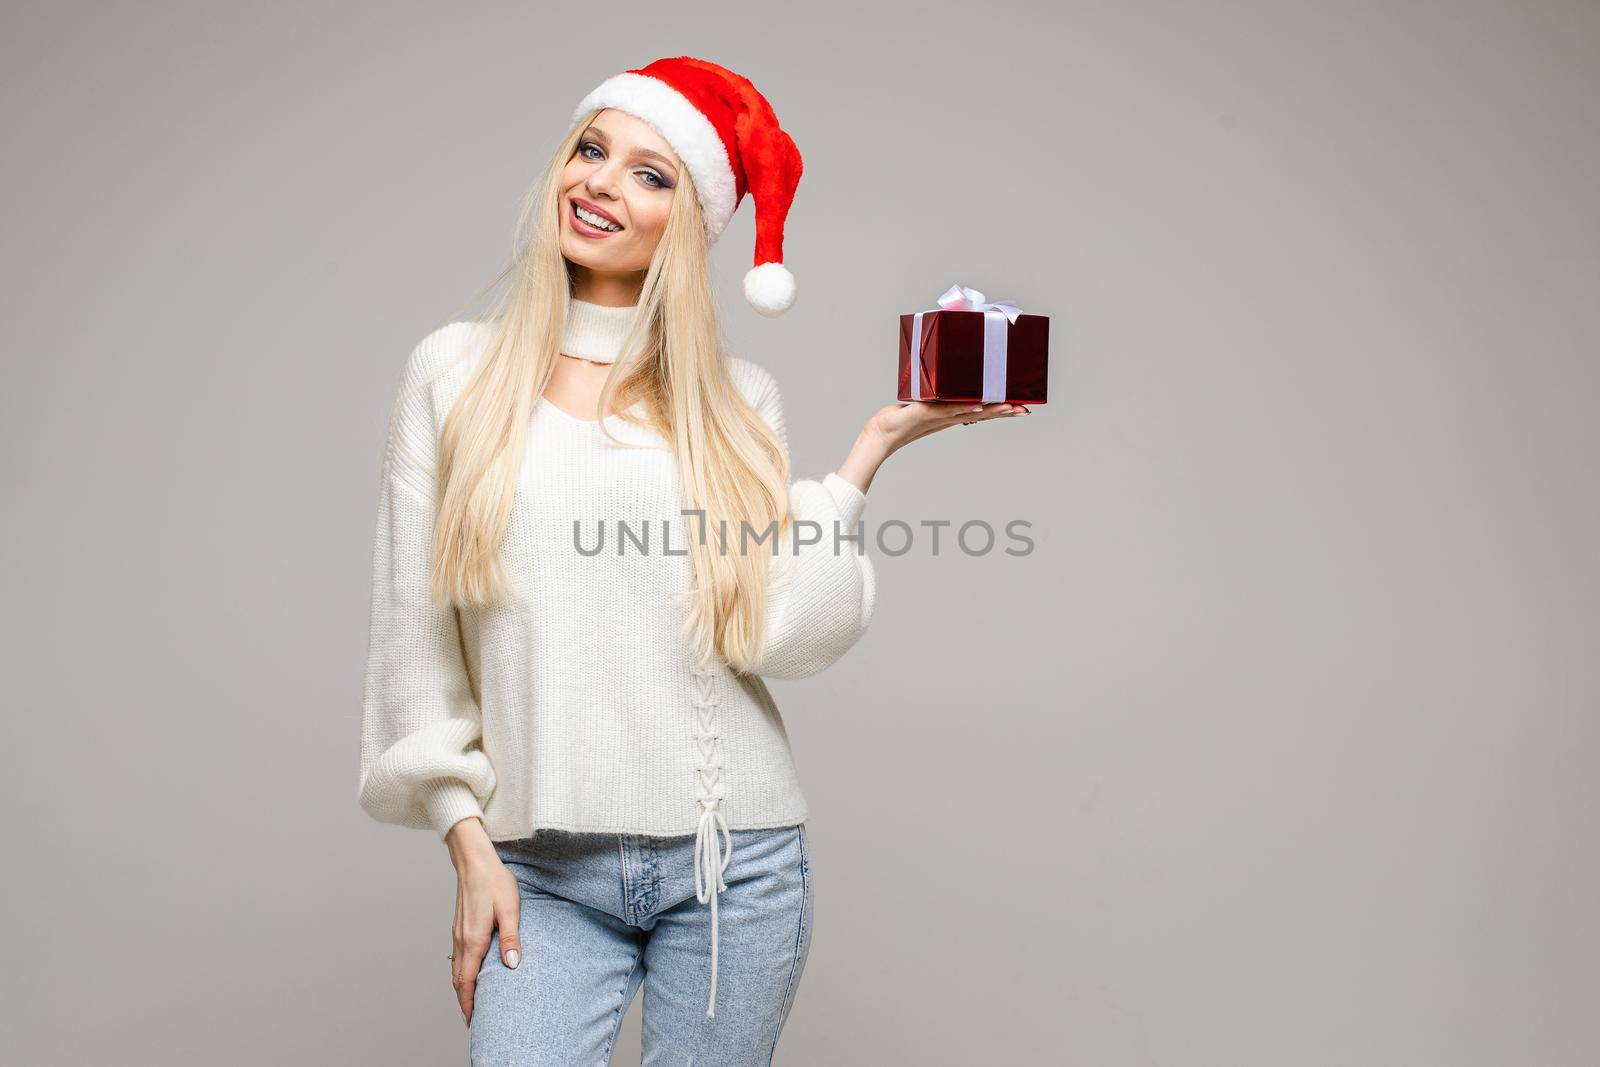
[
  {"x": 850, "y": 500},
  {"x": 447, "y": 801}
]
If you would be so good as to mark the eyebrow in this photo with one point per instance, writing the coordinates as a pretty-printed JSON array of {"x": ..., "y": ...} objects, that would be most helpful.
[{"x": 645, "y": 152}]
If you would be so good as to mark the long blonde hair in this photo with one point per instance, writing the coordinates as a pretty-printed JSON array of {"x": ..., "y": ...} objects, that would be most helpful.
[{"x": 731, "y": 463}]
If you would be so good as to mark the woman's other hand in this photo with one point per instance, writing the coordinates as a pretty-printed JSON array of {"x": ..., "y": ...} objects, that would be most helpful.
[
  {"x": 486, "y": 897},
  {"x": 900, "y": 424}
]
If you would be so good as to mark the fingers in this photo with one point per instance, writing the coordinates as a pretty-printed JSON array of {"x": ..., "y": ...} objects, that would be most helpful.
[
  {"x": 960, "y": 413},
  {"x": 484, "y": 904},
  {"x": 939, "y": 414},
  {"x": 966, "y": 414},
  {"x": 470, "y": 951},
  {"x": 910, "y": 421},
  {"x": 508, "y": 919}
]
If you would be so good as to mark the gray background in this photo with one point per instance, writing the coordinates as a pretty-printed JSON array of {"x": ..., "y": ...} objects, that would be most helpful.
[{"x": 1278, "y": 749}]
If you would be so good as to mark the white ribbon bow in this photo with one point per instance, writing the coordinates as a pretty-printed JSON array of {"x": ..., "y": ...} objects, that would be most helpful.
[
  {"x": 960, "y": 298},
  {"x": 998, "y": 316}
]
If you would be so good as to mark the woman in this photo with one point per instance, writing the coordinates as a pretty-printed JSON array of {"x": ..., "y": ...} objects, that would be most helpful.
[{"x": 589, "y": 730}]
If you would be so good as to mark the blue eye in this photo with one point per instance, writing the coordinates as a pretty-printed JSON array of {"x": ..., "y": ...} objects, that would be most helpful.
[{"x": 659, "y": 182}]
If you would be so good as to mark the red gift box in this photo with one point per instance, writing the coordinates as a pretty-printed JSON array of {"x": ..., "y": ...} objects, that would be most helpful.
[{"x": 970, "y": 349}]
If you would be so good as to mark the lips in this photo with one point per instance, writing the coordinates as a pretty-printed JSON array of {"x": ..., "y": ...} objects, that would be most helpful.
[{"x": 596, "y": 209}]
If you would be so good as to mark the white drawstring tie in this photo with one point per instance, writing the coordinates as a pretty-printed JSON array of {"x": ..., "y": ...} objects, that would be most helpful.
[{"x": 708, "y": 868}]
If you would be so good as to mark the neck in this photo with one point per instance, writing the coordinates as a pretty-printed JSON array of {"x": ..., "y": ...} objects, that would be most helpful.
[
  {"x": 595, "y": 331},
  {"x": 607, "y": 288}
]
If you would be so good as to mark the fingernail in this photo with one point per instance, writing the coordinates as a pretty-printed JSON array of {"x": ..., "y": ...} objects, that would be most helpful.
[
  {"x": 512, "y": 958},
  {"x": 978, "y": 407}
]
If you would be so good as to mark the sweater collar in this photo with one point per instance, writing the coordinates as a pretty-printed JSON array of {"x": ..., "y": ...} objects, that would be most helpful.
[{"x": 595, "y": 331}]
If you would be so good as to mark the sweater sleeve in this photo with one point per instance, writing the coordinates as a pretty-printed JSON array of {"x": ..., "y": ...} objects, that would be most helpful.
[
  {"x": 819, "y": 600},
  {"x": 422, "y": 764}
]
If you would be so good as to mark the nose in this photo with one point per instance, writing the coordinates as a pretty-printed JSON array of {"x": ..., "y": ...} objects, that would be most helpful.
[{"x": 603, "y": 180}]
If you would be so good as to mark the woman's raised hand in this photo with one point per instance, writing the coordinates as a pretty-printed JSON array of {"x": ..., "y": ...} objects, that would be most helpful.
[
  {"x": 901, "y": 423},
  {"x": 487, "y": 896}
]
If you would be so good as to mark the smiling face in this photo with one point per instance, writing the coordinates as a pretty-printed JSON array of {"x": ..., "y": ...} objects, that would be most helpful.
[{"x": 621, "y": 178}]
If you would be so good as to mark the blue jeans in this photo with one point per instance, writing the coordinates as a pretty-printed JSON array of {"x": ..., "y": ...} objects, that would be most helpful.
[{"x": 603, "y": 914}]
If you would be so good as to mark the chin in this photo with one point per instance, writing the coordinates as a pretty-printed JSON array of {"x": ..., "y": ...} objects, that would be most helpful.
[
  {"x": 582, "y": 259},
  {"x": 574, "y": 249}
]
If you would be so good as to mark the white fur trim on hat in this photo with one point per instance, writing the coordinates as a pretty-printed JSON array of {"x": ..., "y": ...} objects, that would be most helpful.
[
  {"x": 769, "y": 288},
  {"x": 686, "y": 128}
]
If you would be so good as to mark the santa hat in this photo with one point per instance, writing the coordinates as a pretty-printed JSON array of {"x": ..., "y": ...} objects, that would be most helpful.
[{"x": 728, "y": 136}]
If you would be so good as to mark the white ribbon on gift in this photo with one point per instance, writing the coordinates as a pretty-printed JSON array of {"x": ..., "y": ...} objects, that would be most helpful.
[{"x": 997, "y": 319}]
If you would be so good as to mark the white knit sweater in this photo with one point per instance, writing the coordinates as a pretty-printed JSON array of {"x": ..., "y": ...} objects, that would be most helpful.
[{"x": 577, "y": 705}]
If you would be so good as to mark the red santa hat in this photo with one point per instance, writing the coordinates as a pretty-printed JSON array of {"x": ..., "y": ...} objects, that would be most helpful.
[{"x": 726, "y": 133}]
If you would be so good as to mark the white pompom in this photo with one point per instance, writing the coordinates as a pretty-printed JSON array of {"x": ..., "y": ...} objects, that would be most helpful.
[{"x": 770, "y": 289}]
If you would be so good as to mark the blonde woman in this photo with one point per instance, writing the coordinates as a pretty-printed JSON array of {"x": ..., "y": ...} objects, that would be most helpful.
[{"x": 588, "y": 558}]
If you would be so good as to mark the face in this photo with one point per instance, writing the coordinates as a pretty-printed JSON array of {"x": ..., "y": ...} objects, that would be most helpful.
[{"x": 624, "y": 172}]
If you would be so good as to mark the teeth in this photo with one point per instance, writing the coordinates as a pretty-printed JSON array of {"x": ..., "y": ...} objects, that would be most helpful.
[{"x": 595, "y": 220}]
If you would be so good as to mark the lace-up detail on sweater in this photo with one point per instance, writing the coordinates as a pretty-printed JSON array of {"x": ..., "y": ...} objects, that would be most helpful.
[{"x": 711, "y": 859}]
